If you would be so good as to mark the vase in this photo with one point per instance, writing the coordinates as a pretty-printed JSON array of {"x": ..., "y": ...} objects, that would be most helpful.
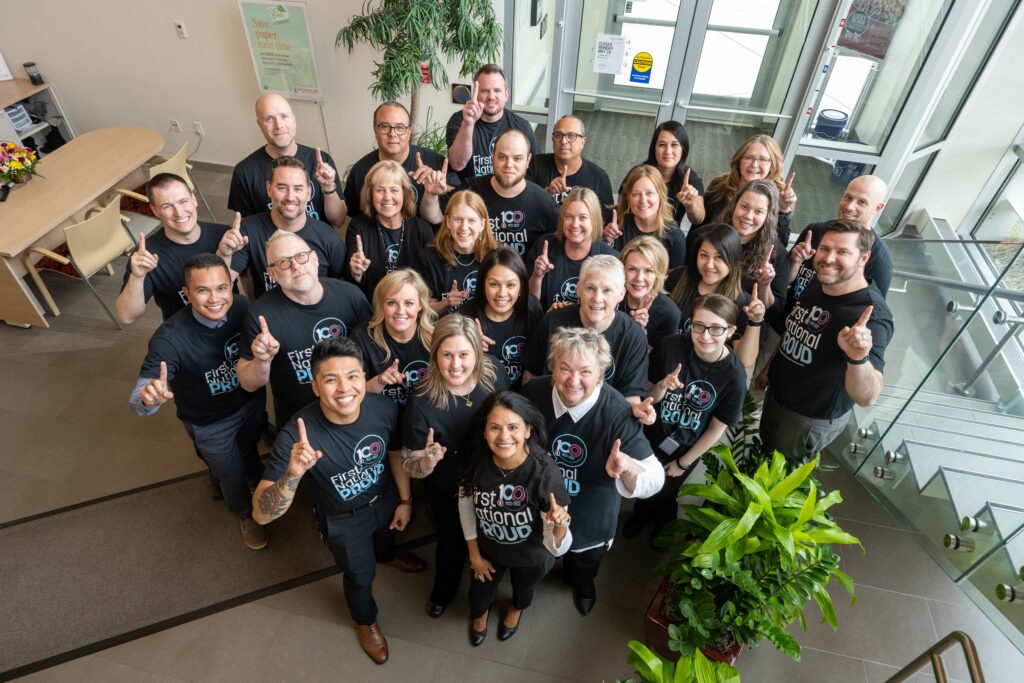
[{"x": 656, "y": 632}]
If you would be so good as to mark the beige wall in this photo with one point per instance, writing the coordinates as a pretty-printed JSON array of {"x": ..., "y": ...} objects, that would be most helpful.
[{"x": 120, "y": 63}]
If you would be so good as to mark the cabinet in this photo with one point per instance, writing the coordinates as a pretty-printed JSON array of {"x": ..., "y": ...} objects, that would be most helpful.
[{"x": 41, "y": 103}]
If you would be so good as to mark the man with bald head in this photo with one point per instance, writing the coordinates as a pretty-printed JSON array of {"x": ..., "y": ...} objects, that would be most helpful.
[
  {"x": 248, "y": 194},
  {"x": 862, "y": 202},
  {"x": 565, "y": 168}
]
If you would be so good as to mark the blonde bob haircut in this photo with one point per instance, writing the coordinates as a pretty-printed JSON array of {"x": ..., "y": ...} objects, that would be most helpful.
[
  {"x": 388, "y": 287},
  {"x": 651, "y": 249},
  {"x": 484, "y": 374},
  {"x": 581, "y": 342},
  {"x": 445, "y": 243},
  {"x": 664, "y": 218},
  {"x": 593, "y": 204},
  {"x": 380, "y": 173}
]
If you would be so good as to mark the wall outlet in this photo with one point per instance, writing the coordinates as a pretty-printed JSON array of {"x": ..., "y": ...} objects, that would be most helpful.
[
  {"x": 181, "y": 29},
  {"x": 198, "y": 128},
  {"x": 175, "y": 125}
]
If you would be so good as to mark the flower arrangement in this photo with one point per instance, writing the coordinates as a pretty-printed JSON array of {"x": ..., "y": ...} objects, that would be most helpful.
[{"x": 17, "y": 164}]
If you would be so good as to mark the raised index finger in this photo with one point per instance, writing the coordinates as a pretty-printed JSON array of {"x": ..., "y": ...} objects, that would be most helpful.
[
  {"x": 615, "y": 448},
  {"x": 163, "y": 373},
  {"x": 302, "y": 432},
  {"x": 236, "y": 223},
  {"x": 864, "y": 317},
  {"x": 789, "y": 182},
  {"x": 430, "y": 436},
  {"x": 263, "y": 326},
  {"x": 753, "y": 292},
  {"x": 544, "y": 250},
  {"x": 319, "y": 159},
  {"x": 807, "y": 241},
  {"x": 142, "y": 241},
  {"x": 419, "y": 160},
  {"x": 554, "y": 503},
  {"x": 476, "y": 91},
  {"x": 359, "y": 244},
  {"x": 615, "y": 216},
  {"x": 686, "y": 177}
]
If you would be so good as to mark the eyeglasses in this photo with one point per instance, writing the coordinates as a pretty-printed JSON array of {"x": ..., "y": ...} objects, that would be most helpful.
[
  {"x": 748, "y": 159},
  {"x": 713, "y": 330},
  {"x": 301, "y": 258},
  {"x": 571, "y": 137},
  {"x": 388, "y": 128}
]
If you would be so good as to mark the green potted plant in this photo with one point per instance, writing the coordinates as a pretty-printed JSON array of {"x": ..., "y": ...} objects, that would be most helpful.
[
  {"x": 411, "y": 33},
  {"x": 743, "y": 566},
  {"x": 695, "y": 668}
]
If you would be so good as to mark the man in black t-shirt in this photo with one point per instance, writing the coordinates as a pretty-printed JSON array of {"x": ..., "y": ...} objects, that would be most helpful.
[
  {"x": 832, "y": 351},
  {"x": 277, "y": 122},
  {"x": 192, "y": 359},
  {"x": 564, "y": 169},
  {"x": 344, "y": 446},
  {"x": 473, "y": 131},
  {"x": 155, "y": 269},
  {"x": 392, "y": 130},
  {"x": 244, "y": 246},
  {"x": 281, "y": 329}
]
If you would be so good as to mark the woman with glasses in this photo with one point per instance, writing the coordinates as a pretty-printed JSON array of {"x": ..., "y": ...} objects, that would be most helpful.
[
  {"x": 757, "y": 158},
  {"x": 565, "y": 169},
  {"x": 668, "y": 152},
  {"x": 451, "y": 261},
  {"x": 698, "y": 386},
  {"x": 643, "y": 209},
  {"x": 645, "y": 262},
  {"x": 558, "y": 256},
  {"x": 387, "y": 235}
]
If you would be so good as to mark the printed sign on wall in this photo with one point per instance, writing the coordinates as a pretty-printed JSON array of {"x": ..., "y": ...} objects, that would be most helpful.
[{"x": 281, "y": 48}]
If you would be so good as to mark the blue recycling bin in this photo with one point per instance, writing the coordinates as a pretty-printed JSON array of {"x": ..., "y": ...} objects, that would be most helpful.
[{"x": 829, "y": 124}]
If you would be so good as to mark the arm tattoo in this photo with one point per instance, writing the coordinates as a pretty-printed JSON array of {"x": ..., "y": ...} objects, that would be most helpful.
[
  {"x": 277, "y": 498},
  {"x": 411, "y": 464}
]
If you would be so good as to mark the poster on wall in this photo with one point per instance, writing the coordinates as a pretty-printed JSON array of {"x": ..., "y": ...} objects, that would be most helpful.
[
  {"x": 281, "y": 48},
  {"x": 870, "y": 26}
]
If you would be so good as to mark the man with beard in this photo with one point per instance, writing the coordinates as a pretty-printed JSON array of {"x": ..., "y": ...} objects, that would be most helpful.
[
  {"x": 565, "y": 168},
  {"x": 832, "y": 351}
]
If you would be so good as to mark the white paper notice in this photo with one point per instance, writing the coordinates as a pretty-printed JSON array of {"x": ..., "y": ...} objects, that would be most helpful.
[{"x": 608, "y": 52}]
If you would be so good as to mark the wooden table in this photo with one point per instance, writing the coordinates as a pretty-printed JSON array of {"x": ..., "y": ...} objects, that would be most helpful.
[{"x": 71, "y": 178}]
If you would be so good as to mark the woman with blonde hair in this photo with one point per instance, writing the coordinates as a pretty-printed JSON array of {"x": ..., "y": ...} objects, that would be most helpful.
[
  {"x": 437, "y": 435},
  {"x": 396, "y": 339},
  {"x": 644, "y": 209},
  {"x": 451, "y": 261},
  {"x": 759, "y": 158},
  {"x": 645, "y": 262},
  {"x": 388, "y": 234}
]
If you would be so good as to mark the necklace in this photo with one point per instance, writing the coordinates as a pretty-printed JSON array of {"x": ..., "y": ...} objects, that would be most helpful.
[
  {"x": 504, "y": 472},
  {"x": 391, "y": 264},
  {"x": 472, "y": 260}
]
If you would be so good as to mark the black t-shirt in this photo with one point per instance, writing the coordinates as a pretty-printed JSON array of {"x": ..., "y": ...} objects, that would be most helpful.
[
  {"x": 165, "y": 283},
  {"x": 439, "y": 275},
  {"x": 580, "y": 449},
  {"x": 510, "y": 336},
  {"x": 354, "y": 466},
  {"x": 320, "y": 237},
  {"x": 298, "y": 328},
  {"x": 676, "y": 184},
  {"x": 714, "y": 389},
  {"x": 518, "y": 221},
  {"x": 628, "y": 371},
  {"x": 454, "y": 428},
  {"x": 510, "y": 509},
  {"x": 360, "y": 169},
  {"x": 200, "y": 364},
  {"x": 673, "y": 240},
  {"x": 484, "y": 136},
  {"x": 878, "y": 269},
  {"x": 544, "y": 168},
  {"x": 662, "y": 318},
  {"x": 560, "y": 284},
  {"x": 388, "y": 249},
  {"x": 412, "y": 359},
  {"x": 248, "y": 193},
  {"x": 808, "y": 373}
]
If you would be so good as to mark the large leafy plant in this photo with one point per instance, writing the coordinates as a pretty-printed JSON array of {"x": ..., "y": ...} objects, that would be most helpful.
[
  {"x": 693, "y": 668},
  {"x": 743, "y": 566}
]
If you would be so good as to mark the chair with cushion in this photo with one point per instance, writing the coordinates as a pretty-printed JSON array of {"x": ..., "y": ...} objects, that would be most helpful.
[{"x": 92, "y": 245}]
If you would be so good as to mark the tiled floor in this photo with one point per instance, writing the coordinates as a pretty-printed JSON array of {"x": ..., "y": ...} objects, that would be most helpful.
[{"x": 69, "y": 437}]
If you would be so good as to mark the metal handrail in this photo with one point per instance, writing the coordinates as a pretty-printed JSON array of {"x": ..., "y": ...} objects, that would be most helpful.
[
  {"x": 934, "y": 655},
  {"x": 998, "y": 292}
]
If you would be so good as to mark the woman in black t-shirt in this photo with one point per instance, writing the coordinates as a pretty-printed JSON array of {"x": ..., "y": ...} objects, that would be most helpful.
[
  {"x": 645, "y": 262},
  {"x": 643, "y": 209},
  {"x": 714, "y": 266},
  {"x": 669, "y": 150},
  {"x": 387, "y": 235},
  {"x": 512, "y": 504},
  {"x": 395, "y": 341},
  {"x": 698, "y": 386},
  {"x": 451, "y": 261},
  {"x": 437, "y": 435},
  {"x": 505, "y": 311}
]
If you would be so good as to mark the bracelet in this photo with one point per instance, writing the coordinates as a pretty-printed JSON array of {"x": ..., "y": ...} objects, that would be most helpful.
[
  {"x": 751, "y": 323},
  {"x": 679, "y": 464},
  {"x": 333, "y": 190},
  {"x": 851, "y": 361},
  {"x": 405, "y": 501}
]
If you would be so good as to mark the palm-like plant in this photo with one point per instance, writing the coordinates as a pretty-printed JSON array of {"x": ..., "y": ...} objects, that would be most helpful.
[{"x": 411, "y": 32}]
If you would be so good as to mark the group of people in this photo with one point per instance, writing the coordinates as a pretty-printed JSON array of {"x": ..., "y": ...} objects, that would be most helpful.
[{"x": 496, "y": 325}]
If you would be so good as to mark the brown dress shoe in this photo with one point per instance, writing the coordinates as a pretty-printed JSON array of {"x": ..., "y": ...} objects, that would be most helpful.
[
  {"x": 408, "y": 563},
  {"x": 372, "y": 641}
]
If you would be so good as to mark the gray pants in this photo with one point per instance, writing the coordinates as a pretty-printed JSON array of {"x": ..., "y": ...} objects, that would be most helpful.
[{"x": 794, "y": 435}]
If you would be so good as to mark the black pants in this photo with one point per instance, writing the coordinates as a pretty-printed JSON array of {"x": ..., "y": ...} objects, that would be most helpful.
[
  {"x": 450, "y": 551},
  {"x": 524, "y": 581},
  {"x": 580, "y": 569},
  {"x": 663, "y": 506},
  {"x": 357, "y": 542}
]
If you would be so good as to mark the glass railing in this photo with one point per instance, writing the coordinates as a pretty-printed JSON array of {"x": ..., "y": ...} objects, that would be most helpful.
[{"x": 942, "y": 448}]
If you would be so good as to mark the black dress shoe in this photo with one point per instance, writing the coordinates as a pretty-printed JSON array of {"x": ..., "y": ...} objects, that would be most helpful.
[
  {"x": 504, "y": 632},
  {"x": 476, "y": 637},
  {"x": 584, "y": 600},
  {"x": 434, "y": 610}
]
